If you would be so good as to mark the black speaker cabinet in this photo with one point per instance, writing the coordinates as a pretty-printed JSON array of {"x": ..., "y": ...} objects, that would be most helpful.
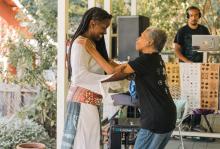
[{"x": 129, "y": 29}]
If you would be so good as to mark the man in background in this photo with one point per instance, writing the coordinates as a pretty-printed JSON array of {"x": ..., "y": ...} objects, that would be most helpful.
[{"x": 184, "y": 51}]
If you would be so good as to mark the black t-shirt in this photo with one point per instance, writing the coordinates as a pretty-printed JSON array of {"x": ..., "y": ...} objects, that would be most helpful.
[
  {"x": 158, "y": 111},
  {"x": 184, "y": 38}
]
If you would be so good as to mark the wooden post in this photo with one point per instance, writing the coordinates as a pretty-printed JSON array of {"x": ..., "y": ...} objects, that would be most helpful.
[
  {"x": 61, "y": 69},
  {"x": 108, "y": 36},
  {"x": 133, "y": 7}
]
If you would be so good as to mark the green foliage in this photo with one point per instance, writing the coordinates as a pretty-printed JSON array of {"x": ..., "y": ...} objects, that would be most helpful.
[
  {"x": 16, "y": 131},
  {"x": 76, "y": 10},
  {"x": 20, "y": 52},
  {"x": 119, "y": 9},
  {"x": 33, "y": 56},
  {"x": 43, "y": 110},
  {"x": 44, "y": 14},
  {"x": 165, "y": 14}
]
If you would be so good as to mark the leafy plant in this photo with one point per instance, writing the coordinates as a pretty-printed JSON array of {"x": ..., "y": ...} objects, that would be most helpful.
[
  {"x": 43, "y": 111},
  {"x": 16, "y": 131},
  {"x": 33, "y": 56},
  {"x": 76, "y": 10},
  {"x": 32, "y": 59}
]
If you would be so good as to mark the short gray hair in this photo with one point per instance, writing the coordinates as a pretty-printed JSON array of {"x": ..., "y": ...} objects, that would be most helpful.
[{"x": 158, "y": 36}]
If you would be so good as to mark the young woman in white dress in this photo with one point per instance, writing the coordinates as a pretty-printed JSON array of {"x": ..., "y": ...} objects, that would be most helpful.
[{"x": 87, "y": 62}]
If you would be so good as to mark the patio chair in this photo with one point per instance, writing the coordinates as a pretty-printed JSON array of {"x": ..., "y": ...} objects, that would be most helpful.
[{"x": 184, "y": 111}]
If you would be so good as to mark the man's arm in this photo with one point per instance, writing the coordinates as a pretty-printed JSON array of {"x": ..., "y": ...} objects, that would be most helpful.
[{"x": 178, "y": 53}]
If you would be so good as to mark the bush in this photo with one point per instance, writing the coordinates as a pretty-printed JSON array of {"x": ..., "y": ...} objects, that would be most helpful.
[{"x": 16, "y": 131}]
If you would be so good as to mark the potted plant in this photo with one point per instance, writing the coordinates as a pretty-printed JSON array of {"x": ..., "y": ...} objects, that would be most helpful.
[
  {"x": 18, "y": 133},
  {"x": 31, "y": 145}
]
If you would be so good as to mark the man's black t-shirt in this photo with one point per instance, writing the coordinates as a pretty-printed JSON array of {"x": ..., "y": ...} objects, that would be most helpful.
[
  {"x": 158, "y": 111},
  {"x": 184, "y": 38}
]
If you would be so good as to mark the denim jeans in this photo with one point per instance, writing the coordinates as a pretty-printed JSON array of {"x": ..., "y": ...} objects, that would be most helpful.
[{"x": 149, "y": 140}]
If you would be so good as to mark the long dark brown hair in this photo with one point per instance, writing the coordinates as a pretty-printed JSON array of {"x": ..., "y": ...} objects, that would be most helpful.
[{"x": 94, "y": 13}]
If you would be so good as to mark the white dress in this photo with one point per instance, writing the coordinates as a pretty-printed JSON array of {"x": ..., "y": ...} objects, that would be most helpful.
[{"x": 86, "y": 73}]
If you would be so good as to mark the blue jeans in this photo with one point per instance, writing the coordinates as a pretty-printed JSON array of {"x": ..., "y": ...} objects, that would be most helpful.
[{"x": 149, "y": 140}]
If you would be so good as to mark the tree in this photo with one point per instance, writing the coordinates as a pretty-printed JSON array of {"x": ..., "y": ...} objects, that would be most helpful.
[
  {"x": 33, "y": 59},
  {"x": 33, "y": 56}
]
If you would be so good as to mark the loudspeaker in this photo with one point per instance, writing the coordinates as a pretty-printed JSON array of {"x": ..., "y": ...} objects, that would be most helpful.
[{"x": 129, "y": 29}]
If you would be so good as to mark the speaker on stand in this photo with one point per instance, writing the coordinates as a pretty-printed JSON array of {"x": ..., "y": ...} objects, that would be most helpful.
[{"x": 129, "y": 28}]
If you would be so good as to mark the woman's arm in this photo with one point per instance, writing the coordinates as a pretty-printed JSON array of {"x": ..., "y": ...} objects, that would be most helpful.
[
  {"x": 91, "y": 49},
  {"x": 126, "y": 68},
  {"x": 113, "y": 63},
  {"x": 122, "y": 71}
]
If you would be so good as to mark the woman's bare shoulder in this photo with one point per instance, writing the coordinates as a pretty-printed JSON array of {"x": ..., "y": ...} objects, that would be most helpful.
[{"x": 85, "y": 42}]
